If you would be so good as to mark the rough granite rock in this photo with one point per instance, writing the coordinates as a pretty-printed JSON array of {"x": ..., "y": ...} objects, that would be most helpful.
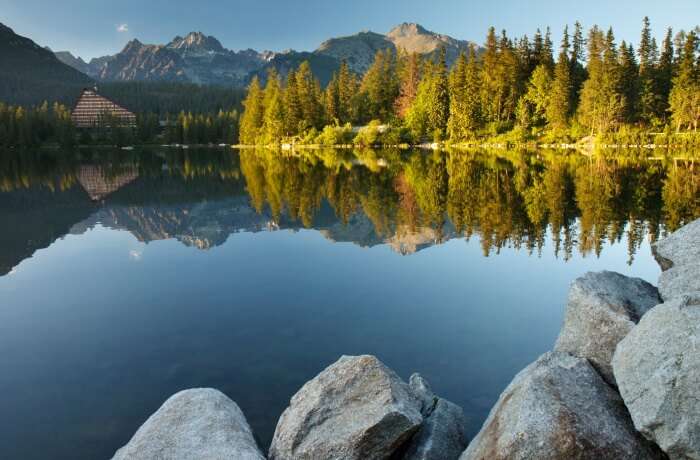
[
  {"x": 679, "y": 279},
  {"x": 679, "y": 248},
  {"x": 559, "y": 408},
  {"x": 601, "y": 310},
  {"x": 657, "y": 367},
  {"x": 200, "y": 423},
  {"x": 357, "y": 408},
  {"x": 679, "y": 257},
  {"x": 441, "y": 437}
]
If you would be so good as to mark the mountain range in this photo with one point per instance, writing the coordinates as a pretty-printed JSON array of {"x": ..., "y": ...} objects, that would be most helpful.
[
  {"x": 30, "y": 73},
  {"x": 202, "y": 59}
]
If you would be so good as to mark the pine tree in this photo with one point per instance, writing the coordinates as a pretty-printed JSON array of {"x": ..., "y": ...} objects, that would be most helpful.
[
  {"x": 578, "y": 72},
  {"x": 292, "y": 106},
  {"x": 664, "y": 74},
  {"x": 252, "y": 118},
  {"x": 439, "y": 110},
  {"x": 537, "y": 97},
  {"x": 648, "y": 102},
  {"x": 684, "y": 100},
  {"x": 347, "y": 88},
  {"x": 331, "y": 101},
  {"x": 458, "y": 79},
  {"x": 273, "y": 119},
  {"x": 561, "y": 104},
  {"x": 309, "y": 98},
  {"x": 490, "y": 95},
  {"x": 601, "y": 103},
  {"x": 629, "y": 86}
]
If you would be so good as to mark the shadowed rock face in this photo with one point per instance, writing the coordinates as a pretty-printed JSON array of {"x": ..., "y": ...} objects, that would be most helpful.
[
  {"x": 559, "y": 408},
  {"x": 601, "y": 310},
  {"x": 199, "y": 424},
  {"x": 442, "y": 434},
  {"x": 357, "y": 408},
  {"x": 657, "y": 367}
]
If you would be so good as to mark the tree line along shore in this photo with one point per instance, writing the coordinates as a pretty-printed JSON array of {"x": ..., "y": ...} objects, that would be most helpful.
[{"x": 512, "y": 91}]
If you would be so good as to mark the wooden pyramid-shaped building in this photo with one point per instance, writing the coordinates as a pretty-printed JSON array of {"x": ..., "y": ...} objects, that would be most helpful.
[{"x": 93, "y": 110}]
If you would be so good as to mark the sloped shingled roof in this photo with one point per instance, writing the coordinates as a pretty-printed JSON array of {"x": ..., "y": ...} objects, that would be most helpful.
[{"x": 91, "y": 108}]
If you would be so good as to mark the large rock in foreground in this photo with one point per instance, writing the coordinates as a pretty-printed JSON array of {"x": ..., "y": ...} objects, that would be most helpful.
[
  {"x": 357, "y": 408},
  {"x": 601, "y": 310},
  {"x": 441, "y": 437},
  {"x": 657, "y": 367},
  {"x": 199, "y": 423},
  {"x": 559, "y": 408}
]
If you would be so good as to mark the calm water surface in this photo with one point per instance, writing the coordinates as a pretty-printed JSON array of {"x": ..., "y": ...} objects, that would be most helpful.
[{"x": 127, "y": 276}]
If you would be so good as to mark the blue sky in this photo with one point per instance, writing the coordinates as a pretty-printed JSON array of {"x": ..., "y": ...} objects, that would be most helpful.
[{"x": 98, "y": 27}]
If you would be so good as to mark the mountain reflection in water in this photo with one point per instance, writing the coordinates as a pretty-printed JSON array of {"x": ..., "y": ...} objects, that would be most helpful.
[{"x": 408, "y": 200}]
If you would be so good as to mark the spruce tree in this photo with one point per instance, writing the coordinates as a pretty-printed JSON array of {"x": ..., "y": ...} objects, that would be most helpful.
[
  {"x": 601, "y": 103},
  {"x": 252, "y": 118},
  {"x": 664, "y": 73},
  {"x": 292, "y": 105},
  {"x": 629, "y": 85},
  {"x": 648, "y": 103},
  {"x": 439, "y": 109},
  {"x": 273, "y": 118},
  {"x": 684, "y": 100},
  {"x": 578, "y": 72},
  {"x": 456, "y": 126},
  {"x": 560, "y": 105}
]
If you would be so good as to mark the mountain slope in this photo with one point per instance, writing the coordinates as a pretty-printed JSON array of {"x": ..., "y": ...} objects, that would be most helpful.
[{"x": 30, "y": 74}]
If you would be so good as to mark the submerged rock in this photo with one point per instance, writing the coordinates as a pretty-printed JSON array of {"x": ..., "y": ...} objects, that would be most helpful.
[
  {"x": 559, "y": 408},
  {"x": 601, "y": 310},
  {"x": 441, "y": 437},
  {"x": 657, "y": 367},
  {"x": 200, "y": 423},
  {"x": 357, "y": 408}
]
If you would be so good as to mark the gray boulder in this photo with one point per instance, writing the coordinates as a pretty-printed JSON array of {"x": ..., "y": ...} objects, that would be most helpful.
[
  {"x": 441, "y": 437},
  {"x": 680, "y": 247},
  {"x": 679, "y": 257},
  {"x": 559, "y": 408},
  {"x": 357, "y": 408},
  {"x": 657, "y": 367},
  {"x": 601, "y": 310},
  {"x": 200, "y": 423}
]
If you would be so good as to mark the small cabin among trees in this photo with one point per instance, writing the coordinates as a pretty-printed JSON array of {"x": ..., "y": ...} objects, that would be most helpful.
[{"x": 94, "y": 111}]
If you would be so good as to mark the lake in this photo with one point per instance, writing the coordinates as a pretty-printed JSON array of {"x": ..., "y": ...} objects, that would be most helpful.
[{"x": 126, "y": 276}]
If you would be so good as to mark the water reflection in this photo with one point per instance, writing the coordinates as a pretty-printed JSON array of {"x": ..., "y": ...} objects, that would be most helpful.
[
  {"x": 99, "y": 328},
  {"x": 408, "y": 200}
]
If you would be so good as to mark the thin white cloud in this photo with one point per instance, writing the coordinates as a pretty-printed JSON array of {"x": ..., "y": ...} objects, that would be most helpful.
[{"x": 123, "y": 28}]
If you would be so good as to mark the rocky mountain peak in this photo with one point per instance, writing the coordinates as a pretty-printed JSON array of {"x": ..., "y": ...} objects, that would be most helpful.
[
  {"x": 196, "y": 41},
  {"x": 132, "y": 46},
  {"x": 408, "y": 29}
]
